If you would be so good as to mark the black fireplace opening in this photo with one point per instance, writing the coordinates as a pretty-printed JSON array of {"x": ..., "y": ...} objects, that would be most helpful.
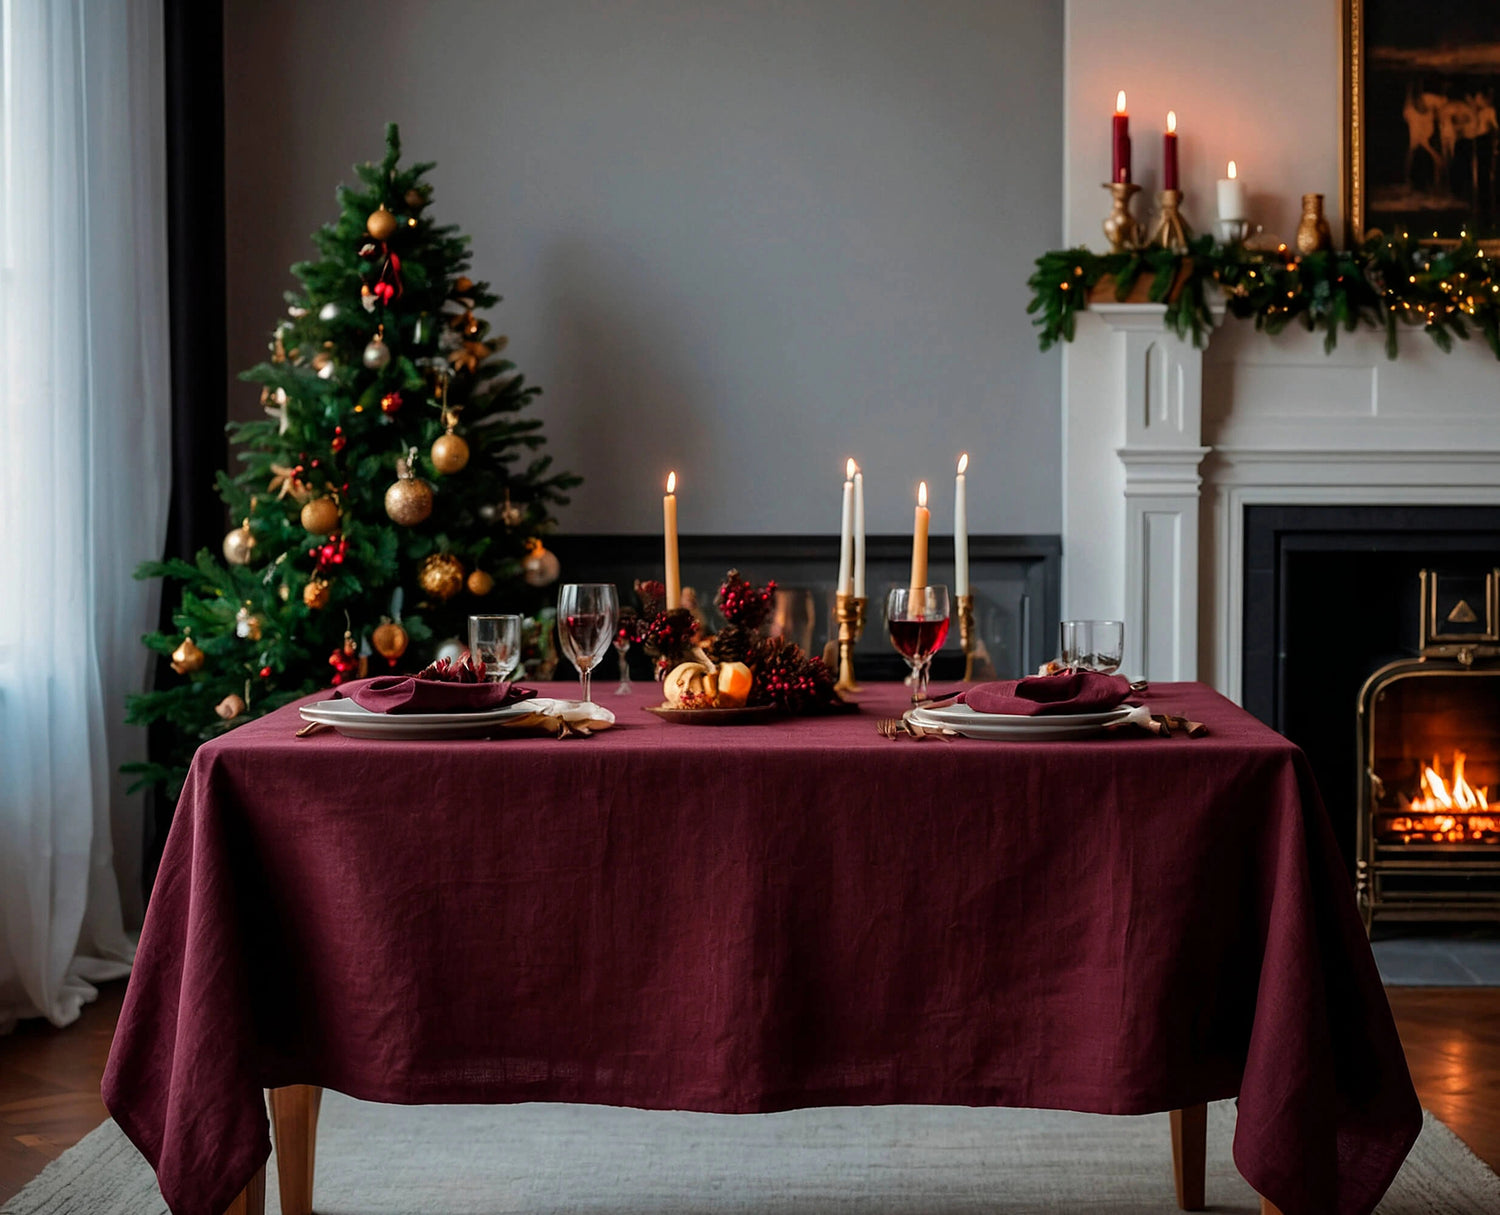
[{"x": 1332, "y": 593}]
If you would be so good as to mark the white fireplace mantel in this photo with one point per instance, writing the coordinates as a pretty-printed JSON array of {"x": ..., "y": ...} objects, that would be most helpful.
[{"x": 1164, "y": 446}]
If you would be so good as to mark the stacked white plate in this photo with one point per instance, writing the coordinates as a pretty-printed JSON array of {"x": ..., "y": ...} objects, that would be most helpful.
[
  {"x": 354, "y": 722},
  {"x": 1046, "y": 726}
]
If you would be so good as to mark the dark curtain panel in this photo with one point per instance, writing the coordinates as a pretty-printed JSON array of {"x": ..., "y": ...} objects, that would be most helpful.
[{"x": 195, "y": 249}]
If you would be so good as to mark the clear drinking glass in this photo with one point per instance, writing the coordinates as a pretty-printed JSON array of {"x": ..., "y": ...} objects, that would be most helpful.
[
  {"x": 1092, "y": 645},
  {"x": 496, "y": 642},
  {"x": 622, "y": 648},
  {"x": 917, "y": 618},
  {"x": 587, "y": 616}
]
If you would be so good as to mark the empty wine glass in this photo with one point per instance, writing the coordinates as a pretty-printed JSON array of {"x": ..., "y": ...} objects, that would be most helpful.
[
  {"x": 917, "y": 618},
  {"x": 496, "y": 642},
  {"x": 587, "y": 614}
]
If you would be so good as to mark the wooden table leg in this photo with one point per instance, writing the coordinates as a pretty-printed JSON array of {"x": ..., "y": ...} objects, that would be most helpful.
[
  {"x": 294, "y": 1128},
  {"x": 252, "y": 1199},
  {"x": 1190, "y": 1155}
]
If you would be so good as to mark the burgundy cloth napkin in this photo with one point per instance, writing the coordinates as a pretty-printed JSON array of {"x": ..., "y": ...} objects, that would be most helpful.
[
  {"x": 1076, "y": 692},
  {"x": 408, "y": 694}
]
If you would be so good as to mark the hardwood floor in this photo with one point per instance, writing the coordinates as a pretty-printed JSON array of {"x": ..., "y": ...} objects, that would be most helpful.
[{"x": 49, "y": 1079}]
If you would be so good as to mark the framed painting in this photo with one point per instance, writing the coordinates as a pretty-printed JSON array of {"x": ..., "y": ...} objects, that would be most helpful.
[{"x": 1421, "y": 135}]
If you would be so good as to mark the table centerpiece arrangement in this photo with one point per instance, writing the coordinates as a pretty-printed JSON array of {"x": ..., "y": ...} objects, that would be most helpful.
[{"x": 740, "y": 673}]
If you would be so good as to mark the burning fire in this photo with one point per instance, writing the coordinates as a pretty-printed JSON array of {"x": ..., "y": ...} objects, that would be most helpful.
[{"x": 1444, "y": 812}]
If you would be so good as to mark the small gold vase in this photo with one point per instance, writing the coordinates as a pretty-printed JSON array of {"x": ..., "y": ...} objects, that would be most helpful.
[{"x": 1313, "y": 232}]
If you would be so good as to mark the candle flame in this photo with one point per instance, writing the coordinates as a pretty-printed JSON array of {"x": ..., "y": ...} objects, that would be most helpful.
[
  {"x": 963, "y": 463},
  {"x": 922, "y": 494},
  {"x": 671, "y": 483},
  {"x": 1172, "y": 120},
  {"x": 1233, "y": 172},
  {"x": 1120, "y": 102},
  {"x": 850, "y": 469}
]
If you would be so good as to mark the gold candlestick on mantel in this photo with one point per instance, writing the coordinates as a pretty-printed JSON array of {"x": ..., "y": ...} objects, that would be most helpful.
[
  {"x": 1171, "y": 231},
  {"x": 850, "y": 614},
  {"x": 966, "y": 634},
  {"x": 1121, "y": 228}
]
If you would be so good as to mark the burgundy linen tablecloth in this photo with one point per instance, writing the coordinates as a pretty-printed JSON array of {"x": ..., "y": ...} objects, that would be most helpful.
[{"x": 759, "y": 918}]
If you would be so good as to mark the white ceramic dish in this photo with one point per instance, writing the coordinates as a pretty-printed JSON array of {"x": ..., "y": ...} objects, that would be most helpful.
[
  {"x": 354, "y": 722},
  {"x": 1024, "y": 729},
  {"x": 962, "y": 715}
]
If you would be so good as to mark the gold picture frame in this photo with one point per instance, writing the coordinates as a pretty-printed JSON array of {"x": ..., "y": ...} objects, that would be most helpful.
[{"x": 1427, "y": 159}]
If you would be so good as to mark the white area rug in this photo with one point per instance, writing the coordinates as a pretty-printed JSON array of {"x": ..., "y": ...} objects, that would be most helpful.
[{"x": 891, "y": 1160}]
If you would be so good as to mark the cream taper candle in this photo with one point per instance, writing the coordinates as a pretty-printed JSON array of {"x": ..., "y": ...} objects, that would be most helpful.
[
  {"x": 919, "y": 540},
  {"x": 669, "y": 528}
]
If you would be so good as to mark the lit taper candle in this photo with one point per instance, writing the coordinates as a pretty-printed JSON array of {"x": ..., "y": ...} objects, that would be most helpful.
[
  {"x": 961, "y": 528},
  {"x": 846, "y": 534},
  {"x": 669, "y": 527},
  {"x": 919, "y": 540}
]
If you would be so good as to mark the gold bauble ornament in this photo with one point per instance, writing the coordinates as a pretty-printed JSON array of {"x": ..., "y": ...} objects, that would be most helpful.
[
  {"x": 415, "y": 199},
  {"x": 449, "y": 453},
  {"x": 377, "y": 353},
  {"x": 480, "y": 583},
  {"x": 239, "y": 545},
  {"x": 409, "y": 499},
  {"x": 381, "y": 224},
  {"x": 316, "y": 594},
  {"x": 187, "y": 657},
  {"x": 540, "y": 567},
  {"x": 390, "y": 640},
  {"x": 441, "y": 576},
  {"x": 230, "y": 707},
  {"x": 320, "y": 516}
]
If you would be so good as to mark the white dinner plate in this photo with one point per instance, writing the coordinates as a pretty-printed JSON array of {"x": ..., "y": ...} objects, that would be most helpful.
[
  {"x": 997, "y": 726},
  {"x": 352, "y": 721},
  {"x": 963, "y": 715}
]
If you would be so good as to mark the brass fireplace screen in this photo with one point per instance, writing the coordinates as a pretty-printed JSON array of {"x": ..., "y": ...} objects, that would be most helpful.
[{"x": 1428, "y": 834}]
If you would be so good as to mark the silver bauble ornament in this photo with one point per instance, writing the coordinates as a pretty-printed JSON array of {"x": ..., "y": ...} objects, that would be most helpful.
[
  {"x": 452, "y": 649},
  {"x": 377, "y": 353}
]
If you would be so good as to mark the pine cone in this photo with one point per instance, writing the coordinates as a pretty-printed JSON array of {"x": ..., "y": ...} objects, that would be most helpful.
[{"x": 734, "y": 643}]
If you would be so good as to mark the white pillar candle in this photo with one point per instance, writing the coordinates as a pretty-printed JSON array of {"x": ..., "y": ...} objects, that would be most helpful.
[
  {"x": 961, "y": 529},
  {"x": 669, "y": 530},
  {"x": 846, "y": 534},
  {"x": 1231, "y": 195},
  {"x": 859, "y": 533}
]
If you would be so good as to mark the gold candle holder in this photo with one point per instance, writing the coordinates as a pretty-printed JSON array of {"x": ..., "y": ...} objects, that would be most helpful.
[
  {"x": 1121, "y": 228},
  {"x": 1171, "y": 231},
  {"x": 850, "y": 614},
  {"x": 966, "y": 634}
]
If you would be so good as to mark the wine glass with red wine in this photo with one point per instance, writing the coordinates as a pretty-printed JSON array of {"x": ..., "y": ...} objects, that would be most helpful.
[
  {"x": 587, "y": 614},
  {"x": 917, "y": 618}
]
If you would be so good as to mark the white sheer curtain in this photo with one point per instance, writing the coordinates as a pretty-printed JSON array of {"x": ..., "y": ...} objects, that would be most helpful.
[{"x": 84, "y": 471}]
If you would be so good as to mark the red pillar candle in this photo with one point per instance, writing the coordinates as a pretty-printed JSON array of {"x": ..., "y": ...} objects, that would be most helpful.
[
  {"x": 1169, "y": 154},
  {"x": 1121, "y": 171}
]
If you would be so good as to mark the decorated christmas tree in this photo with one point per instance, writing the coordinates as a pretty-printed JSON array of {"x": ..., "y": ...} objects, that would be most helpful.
[{"x": 395, "y": 487}]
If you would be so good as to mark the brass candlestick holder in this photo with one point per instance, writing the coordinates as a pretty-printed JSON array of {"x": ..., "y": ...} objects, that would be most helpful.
[
  {"x": 850, "y": 614},
  {"x": 1171, "y": 231},
  {"x": 1121, "y": 228},
  {"x": 966, "y": 634}
]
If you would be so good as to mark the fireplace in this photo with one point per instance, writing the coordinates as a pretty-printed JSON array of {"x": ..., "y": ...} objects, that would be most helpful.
[{"x": 1428, "y": 823}]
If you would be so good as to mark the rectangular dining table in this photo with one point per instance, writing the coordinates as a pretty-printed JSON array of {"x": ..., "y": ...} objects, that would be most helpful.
[{"x": 757, "y": 918}]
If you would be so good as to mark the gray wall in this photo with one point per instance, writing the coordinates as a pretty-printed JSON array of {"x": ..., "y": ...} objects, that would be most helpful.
[{"x": 739, "y": 239}]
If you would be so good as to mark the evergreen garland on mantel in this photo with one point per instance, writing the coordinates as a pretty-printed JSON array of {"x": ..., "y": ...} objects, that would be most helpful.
[{"x": 1388, "y": 283}]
